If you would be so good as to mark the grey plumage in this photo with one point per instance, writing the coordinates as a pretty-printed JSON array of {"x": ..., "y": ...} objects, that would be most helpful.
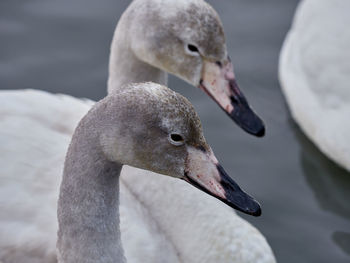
[{"x": 131, "y": 128}]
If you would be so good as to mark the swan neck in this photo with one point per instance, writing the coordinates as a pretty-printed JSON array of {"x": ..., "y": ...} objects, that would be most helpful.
[
  {"x": 124, "y": 66},
  {"x": 88, "y": 206}
]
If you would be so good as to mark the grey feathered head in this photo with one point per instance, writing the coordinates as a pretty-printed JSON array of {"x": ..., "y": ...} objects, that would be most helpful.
[{"x": 148, "y": 126}]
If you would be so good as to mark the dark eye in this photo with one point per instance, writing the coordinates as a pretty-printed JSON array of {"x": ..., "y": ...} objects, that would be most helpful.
[
  {"x": 192, "y": 48},
  {"x": 176, "y": 139}
]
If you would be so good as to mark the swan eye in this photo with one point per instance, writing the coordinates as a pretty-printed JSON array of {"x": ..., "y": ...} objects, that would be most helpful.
[
  {"x": 192, "y": 49},
  {"x": 176, "y": 139}
]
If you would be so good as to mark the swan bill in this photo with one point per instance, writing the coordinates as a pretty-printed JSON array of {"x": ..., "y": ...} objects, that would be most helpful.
[
  {"x": 218, "y": 81},
  {"x": 204, "y": 172}
]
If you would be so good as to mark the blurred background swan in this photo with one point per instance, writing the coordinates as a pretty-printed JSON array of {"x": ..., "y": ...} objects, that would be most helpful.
[
  {"x": 60, "y": 47},
  {"x": 315, "y": 75}
]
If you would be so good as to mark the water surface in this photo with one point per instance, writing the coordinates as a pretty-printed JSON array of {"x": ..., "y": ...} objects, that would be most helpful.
[{"x": 63, "y": 45}]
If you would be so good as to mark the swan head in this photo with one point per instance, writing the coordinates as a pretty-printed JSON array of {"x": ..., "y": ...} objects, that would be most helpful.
[
  {"x": 158, "y": 130},
  {"x": 186, "y": 38}
]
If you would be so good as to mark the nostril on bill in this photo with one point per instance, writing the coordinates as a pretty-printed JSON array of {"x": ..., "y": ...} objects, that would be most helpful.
[
  {"x": 219, "y": 64},
  {"x": 234, "y": 99}
]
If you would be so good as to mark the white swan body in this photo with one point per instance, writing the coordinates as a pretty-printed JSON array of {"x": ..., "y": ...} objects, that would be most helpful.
[
  {"x": 314, "y": 75},
  {"x": 147, "y": 237}
]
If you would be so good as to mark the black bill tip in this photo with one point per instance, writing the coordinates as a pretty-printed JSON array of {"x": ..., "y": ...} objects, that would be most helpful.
[
  {"x": 236, "y": 197},
  {"x": 246, "y": 118},
  {"x": 242, "y": 113}
]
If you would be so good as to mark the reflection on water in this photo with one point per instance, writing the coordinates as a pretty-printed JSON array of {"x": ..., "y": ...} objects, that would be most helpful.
[
  {"x": 329, "y": 182},
  {"x": 342, "y": 239}
]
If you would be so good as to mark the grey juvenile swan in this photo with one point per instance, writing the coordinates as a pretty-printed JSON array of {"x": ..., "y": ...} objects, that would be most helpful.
[{"x": 149, "y": 127}]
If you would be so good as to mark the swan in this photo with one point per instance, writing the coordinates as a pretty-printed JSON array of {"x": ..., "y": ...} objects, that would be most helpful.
[
  {"x": 50, "y": 123},
  {"x": 164, "y": 136},
  {"x": 314, "y": 74},
  {"x": 207, "y": 231}
]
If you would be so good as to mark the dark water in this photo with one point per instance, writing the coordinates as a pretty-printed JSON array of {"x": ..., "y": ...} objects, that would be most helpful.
[{"x": 63, "y": 45}]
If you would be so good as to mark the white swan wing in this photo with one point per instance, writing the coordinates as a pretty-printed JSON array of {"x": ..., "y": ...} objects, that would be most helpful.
[
  {"x": 314, "y": 75},
  {"x": 34, "y": 135}
]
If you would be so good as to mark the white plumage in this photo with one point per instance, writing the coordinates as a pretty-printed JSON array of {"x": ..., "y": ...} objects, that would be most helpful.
[{"x": 314, "y": 74}]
